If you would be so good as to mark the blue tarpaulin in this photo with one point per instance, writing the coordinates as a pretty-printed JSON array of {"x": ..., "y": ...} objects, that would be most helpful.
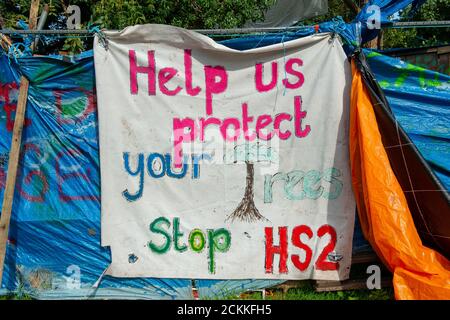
[
  {"x": 54, "y": 241},
  {"x": 55, "y": 226},
  {"x": 420, "y": 100}
]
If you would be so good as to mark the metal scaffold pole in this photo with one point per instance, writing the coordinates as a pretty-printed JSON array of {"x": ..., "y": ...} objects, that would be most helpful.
[{"x": 83, "y": 32}]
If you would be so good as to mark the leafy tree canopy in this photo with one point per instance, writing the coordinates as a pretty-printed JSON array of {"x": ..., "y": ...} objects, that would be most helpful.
[
  {"x": 431, "y": 10},
  {"x": 199, "y": 14},
  {"x": 117, "y": 14}
]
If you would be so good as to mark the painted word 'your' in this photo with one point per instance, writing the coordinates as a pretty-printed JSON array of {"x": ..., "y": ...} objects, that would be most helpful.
[{"x": 157, "y": 166}]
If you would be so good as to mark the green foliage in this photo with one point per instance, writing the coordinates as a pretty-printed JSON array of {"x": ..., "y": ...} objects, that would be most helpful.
[
  {"x": 306, "y": 292},
  {"x": 205, "y": 14},
  {"x": 431, "y": 10},
  {"x": 117, "y": 14},
  {"x": 190, "y": 14},
  {"x": 11, "y": 12},
  {"x": 73, "y": 45},
  {"x": 398, "y": 38}
]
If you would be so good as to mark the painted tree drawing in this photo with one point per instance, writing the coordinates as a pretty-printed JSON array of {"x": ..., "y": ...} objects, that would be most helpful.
[{"x": 246, "y": 210}]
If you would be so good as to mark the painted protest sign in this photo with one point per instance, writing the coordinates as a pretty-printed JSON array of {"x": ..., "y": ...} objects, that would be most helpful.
[{"x": 224, "y": 164}]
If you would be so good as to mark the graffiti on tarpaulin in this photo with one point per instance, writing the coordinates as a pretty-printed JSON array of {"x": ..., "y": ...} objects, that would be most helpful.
[
  {"x": 2, "y": 179},
  {"x": 9, "y": 93},
  {"x": 55, "y": 161},
  {"x": 403, "y": 71},
  {"x": 3, "y": 162},
  {"x": 46, "y": 170},
  {"x": 74, "y": 105},
  {"x": 52, "y": 167},
  {"x": 434, "y": 61},
  {"x": 71, "y": 105}
]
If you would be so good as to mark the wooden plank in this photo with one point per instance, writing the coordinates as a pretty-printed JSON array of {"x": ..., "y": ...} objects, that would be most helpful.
[
  {"x": 361, "y": 258},
  {"x": 351, "y": 284},
  {"x": 443, "y": 50},
  {"x": 12, "y": 170},
  {"x": 14, "y": 153},
  {"x": 354, "y": 284}
]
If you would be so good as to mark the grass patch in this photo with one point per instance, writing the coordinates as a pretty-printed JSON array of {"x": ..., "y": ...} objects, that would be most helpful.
[
  {"x": 16, "y": 297},
  {"x": 307, "y": 292}
]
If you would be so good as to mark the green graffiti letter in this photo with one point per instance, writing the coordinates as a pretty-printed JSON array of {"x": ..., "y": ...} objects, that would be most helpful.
[
  {"x": 177, "y": 234},
  {"x": 197, "y": 240},
  {"x": 155, "y": 227},
  {"x": 219, "y": 240}
]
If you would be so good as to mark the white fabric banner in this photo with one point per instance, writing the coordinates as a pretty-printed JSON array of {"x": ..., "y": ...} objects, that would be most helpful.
[{"x": 224, "y": 164}]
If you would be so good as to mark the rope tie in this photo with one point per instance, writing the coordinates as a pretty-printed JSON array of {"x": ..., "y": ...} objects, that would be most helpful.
[{"x": 100, "y": 35}]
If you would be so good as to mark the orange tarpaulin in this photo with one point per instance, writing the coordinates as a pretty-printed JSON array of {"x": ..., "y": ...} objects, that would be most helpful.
[{"x": 386, "y": 222}]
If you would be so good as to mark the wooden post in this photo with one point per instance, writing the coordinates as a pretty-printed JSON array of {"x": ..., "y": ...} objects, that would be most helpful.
[
  {"x": 355, "y": 9},
  {"x": 34, "y": 10},
  {"x": 380, "y": 41},
  {"x": 14, "y": 153},
  {"x": 372, "y": 43}
]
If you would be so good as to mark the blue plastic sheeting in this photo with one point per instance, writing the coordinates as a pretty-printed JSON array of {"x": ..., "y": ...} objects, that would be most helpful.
[
  {"x": 55, "y": 225},
  {"x": 420, "y": 100},
  {"x": 387, "y": 9},
  {"x": 348, "y": 32}
]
